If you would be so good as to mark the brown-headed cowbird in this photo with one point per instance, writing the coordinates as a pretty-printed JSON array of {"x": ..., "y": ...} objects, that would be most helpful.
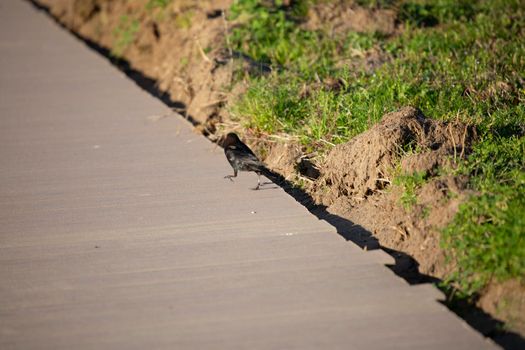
[{"x": 242, "y": 158}]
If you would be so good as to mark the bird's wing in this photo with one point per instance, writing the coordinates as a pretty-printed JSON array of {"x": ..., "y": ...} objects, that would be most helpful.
[
  {"x": 244, "y": 154},
  {"x": 245, "y": 149},
  {"x": 244, "y": 157}
]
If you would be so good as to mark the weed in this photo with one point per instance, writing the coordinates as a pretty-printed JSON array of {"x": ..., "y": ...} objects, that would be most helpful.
[
  {"x": 124, "y": 34},
  {"x": 425, "y": 212},
  {"x": 376, "y": 3},
  {"x": 183, "y": 20},
  {"x": 411, "y": 148},
  {"x": 183, "y": 63},
  {"x": 410, "y": 183},
  {"x": 152, "y": 4}
]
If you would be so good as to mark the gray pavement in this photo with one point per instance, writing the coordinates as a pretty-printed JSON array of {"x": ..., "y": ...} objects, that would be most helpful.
[{"x": 118, "y": 231}]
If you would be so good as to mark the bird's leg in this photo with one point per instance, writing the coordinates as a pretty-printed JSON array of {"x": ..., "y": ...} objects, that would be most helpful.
[
  {"x": 231, "y": 176},
  {"x": 258, "y": 181}
]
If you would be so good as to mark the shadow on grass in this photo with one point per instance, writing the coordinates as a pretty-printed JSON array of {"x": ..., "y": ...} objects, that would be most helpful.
[{"x": 405, "y": 266}]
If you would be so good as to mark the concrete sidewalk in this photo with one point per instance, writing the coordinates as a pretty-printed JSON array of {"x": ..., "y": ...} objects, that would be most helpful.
[{"x": 118, "y": 231}]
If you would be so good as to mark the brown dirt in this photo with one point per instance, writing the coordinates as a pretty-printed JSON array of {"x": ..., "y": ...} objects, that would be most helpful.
[
  {"x": 507, "y": 300},
  {"x": 356, "y": 183},
  {"x": 363, "y": 166},
  {"x": 343, "y": 16},
  {"x": 182, "y": 48}
]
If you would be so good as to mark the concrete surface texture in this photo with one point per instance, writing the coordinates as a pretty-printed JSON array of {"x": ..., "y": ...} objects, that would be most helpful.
[{"x": 118, "y": 231}]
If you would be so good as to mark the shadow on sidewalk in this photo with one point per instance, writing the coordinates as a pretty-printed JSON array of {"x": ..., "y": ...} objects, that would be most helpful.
[{"x": 405, "y": 266}]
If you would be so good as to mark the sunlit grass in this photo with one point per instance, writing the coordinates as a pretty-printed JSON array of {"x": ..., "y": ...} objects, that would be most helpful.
[{"x": 454, "y": 60}]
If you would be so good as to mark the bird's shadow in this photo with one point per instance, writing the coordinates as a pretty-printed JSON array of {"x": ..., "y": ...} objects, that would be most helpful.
[
  {"x": 405, "y": 266},
  {"x": 265, "y": 186}
]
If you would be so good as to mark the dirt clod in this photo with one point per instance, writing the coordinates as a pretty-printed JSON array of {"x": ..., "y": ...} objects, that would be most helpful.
[{"x": 364, "y": 165}]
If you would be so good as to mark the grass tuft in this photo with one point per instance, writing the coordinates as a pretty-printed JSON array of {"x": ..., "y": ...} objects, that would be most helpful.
[
  {"x": 410, "y": 184},
  {"x": 124, "y": 34}
]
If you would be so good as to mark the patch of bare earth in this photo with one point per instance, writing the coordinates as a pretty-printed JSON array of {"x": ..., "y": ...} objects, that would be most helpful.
[
  {"x": 338, "y": 17},
  {"x": 182, "y": 48},
  {"x": 507, "y": 300},
  {"x": 355, "y": 182}
]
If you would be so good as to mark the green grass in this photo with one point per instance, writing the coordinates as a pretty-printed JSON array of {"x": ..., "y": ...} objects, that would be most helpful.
[
  {"x": 272, "y": 35},
  {"x": 152, "y": 4},
  {"x": 487, "y": 238},
  {"x": 124, "y": 34},
  {"x": 410, "y": 184},
  {"x": 183, "y": 20},
  {"x": 453, "y": 59}
]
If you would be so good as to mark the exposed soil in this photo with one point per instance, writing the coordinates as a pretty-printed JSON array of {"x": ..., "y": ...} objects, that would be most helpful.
[
  {"x": 342, "y": 16},
  {"x": 361, "y": 167},
  {"x": 183, "y": 49},
  {"x": 356, "y": 183},
  {"x": 507, "y": 300}
]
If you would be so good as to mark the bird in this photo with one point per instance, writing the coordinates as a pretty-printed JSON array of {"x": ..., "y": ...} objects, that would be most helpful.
[{"x": 241, "y": 158}]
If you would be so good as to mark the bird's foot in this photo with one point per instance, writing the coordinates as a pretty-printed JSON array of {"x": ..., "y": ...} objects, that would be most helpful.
[{"x": 229, "y": 177}]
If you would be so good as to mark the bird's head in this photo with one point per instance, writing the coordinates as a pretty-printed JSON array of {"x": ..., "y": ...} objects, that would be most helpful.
[{"x": 230, "y": 139}]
